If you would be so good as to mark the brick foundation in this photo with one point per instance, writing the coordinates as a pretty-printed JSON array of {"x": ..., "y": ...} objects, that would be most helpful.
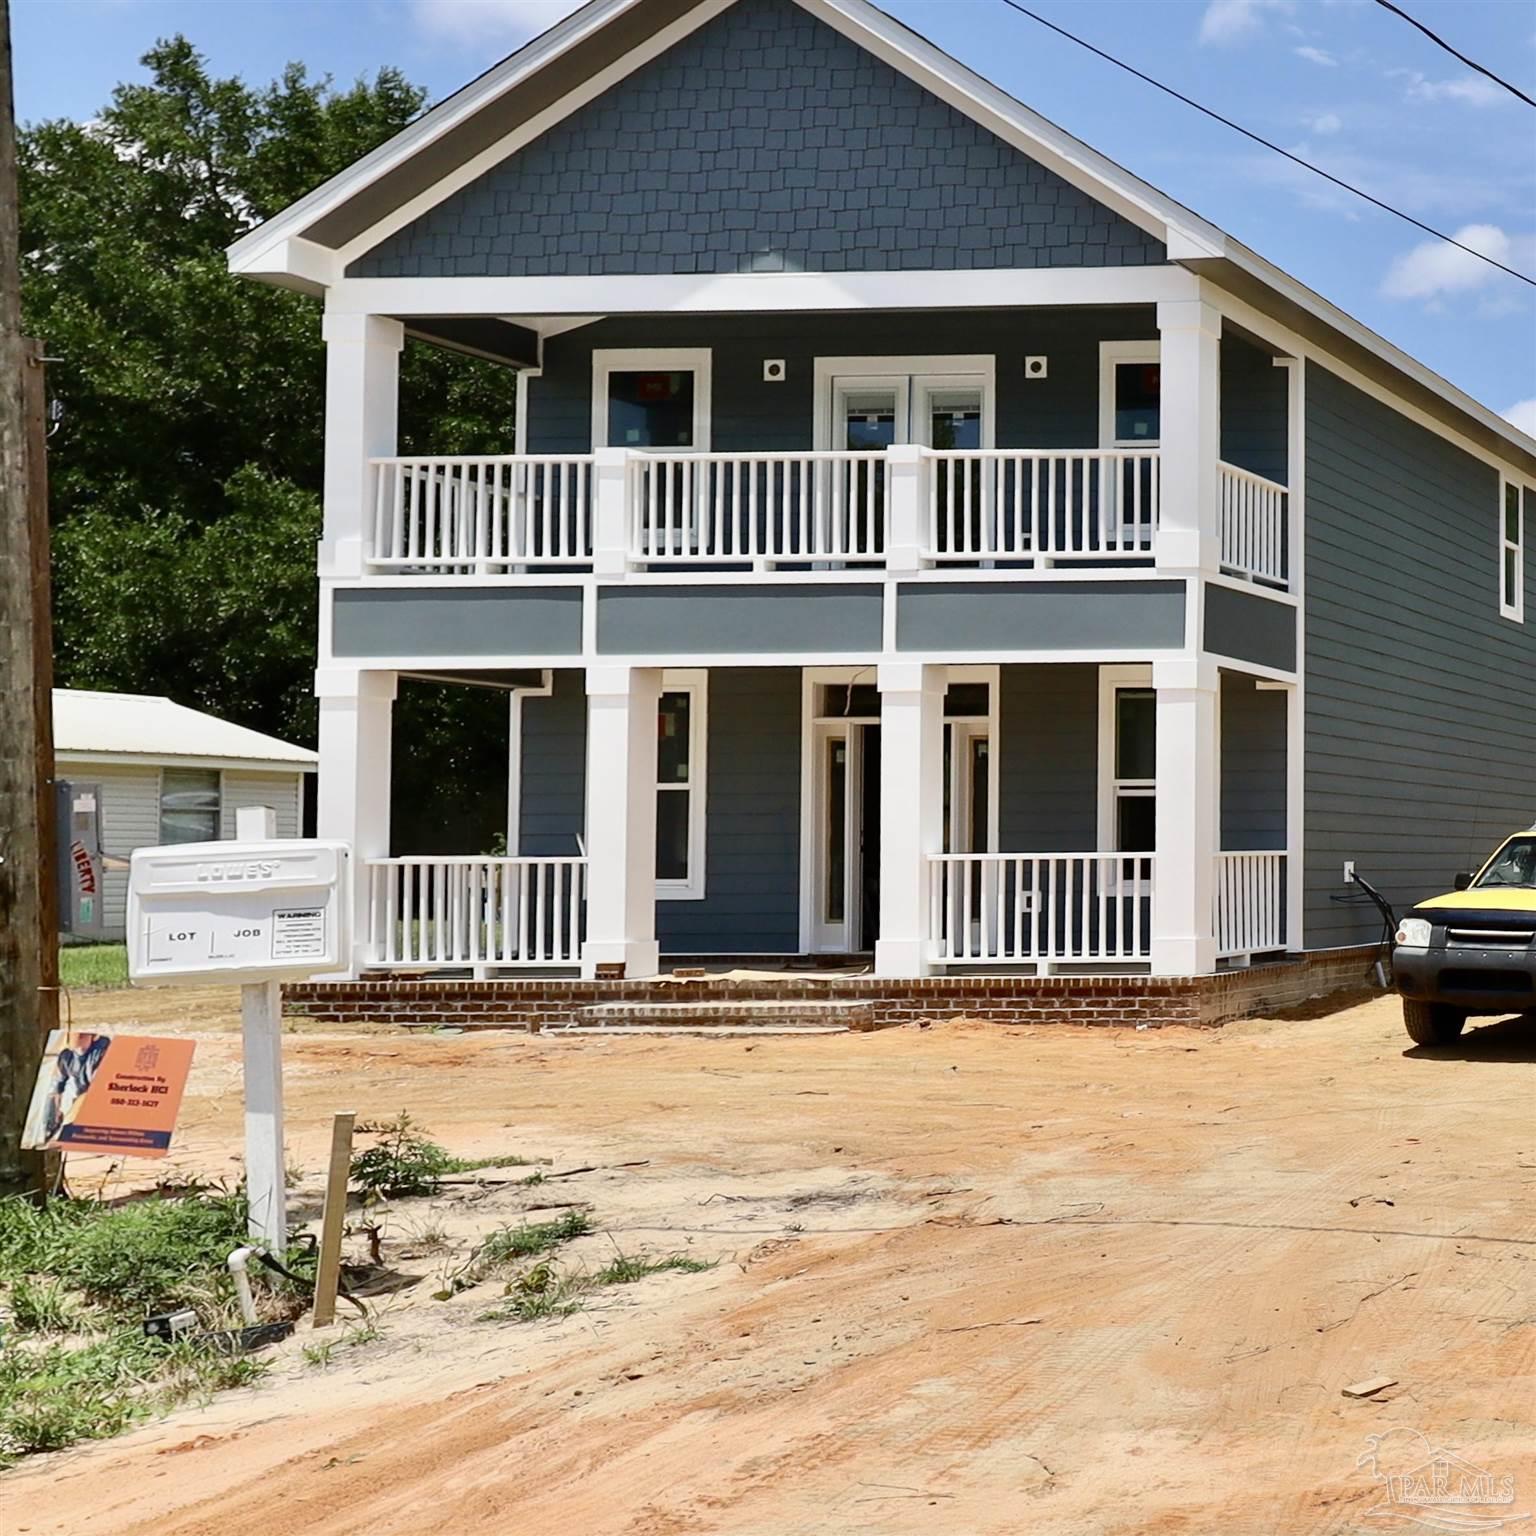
[{"x": 529, "y": 1002}]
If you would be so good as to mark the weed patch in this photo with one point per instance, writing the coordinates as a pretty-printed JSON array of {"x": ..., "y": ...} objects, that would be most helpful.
[{"x": 93, "y": 965}]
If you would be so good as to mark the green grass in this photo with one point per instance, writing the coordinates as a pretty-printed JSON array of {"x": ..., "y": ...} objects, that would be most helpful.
[
  {"x": 77, "y": 1279},
  {"x": 543, "y": 1292},
  {"x": 93, "y": 965}
]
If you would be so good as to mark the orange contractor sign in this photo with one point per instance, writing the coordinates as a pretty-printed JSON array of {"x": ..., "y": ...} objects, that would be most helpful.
[{"x": 108, "y": 1093}]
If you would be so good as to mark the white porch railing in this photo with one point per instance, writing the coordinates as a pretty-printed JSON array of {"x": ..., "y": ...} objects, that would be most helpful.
[
  {"x": 1250, "y": 903},
  {"x": 479, "y": 515},
  {"x": 1039, "y": 504},
  {"x": 761, "y": 509},
  {"x": 490, "y": 913},
  {"x": 1041, "y": 908},
  {"x": 1255, "y": 533}
]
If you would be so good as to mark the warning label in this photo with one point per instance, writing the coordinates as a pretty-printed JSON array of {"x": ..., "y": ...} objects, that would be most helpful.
[{"x": 299, "y": 934}]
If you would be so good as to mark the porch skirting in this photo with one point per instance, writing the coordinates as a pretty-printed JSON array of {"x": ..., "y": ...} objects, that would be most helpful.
[{"x": 534, "y": 1001}]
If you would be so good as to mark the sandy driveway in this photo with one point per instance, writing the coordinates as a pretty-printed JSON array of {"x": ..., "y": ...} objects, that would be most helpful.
[{"x": 971, "y": 1280}]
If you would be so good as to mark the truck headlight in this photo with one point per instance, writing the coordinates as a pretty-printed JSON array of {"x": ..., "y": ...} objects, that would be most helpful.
[{"x": 1414, "y": 933}]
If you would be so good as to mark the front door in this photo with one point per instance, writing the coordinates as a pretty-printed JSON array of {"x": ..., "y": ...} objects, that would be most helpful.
[
  {"x": 873, "y": 411},
  {"x": 847, "y": 844}
]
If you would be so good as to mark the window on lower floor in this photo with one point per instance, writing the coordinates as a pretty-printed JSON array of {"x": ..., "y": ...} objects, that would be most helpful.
[
  {"x": 1512, "y": 555},
  {"x": 1135, "y": 782},
  {"x": 189, "y": 805},
  {"x": 680, "y": 738}
]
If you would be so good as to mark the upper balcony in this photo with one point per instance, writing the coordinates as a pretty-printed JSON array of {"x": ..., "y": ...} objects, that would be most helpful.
[{"x": 903, "y": 509}]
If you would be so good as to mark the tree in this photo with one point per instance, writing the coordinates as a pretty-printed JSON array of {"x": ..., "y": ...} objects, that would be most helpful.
[{"x": 186, "y": 473}]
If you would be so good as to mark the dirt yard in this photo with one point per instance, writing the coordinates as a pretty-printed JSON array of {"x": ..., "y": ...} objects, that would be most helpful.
[{"x": 971, "y": 1280}]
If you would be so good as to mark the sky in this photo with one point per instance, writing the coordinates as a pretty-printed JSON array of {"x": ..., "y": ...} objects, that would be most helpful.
[{"x": 1343, "y": 83}]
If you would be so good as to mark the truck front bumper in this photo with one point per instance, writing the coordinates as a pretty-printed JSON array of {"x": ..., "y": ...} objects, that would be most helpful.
[{"x": 1475, "y": 980}]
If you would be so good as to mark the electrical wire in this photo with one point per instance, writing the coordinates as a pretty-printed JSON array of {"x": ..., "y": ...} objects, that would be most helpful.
[
  {"x": 1440, "y": 42},
  {"x": 1248, "y": 133}
]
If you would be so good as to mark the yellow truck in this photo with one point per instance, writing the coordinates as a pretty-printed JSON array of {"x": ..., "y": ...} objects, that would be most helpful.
[{"x": 1472, "y": 951}]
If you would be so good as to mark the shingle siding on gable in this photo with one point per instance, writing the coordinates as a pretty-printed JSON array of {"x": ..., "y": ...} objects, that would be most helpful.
[{"x": 766, "y": 141}]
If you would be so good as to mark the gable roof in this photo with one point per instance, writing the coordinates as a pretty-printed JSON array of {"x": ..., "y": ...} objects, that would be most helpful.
[
  {"x": 606, "y": 39},
  {"x": 137, "y": 726}
]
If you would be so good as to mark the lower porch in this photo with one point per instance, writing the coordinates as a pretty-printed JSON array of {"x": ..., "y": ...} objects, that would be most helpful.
[{"x": 1074, "y": 819}]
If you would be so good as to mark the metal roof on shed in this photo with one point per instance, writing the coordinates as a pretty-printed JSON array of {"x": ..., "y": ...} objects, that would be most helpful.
[{"x": 140, "y": 725}]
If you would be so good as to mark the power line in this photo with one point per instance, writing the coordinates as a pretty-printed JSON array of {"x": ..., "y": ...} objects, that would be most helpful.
[
  {"x": 1248, "y": 133},
  {"x": 1440, "y": 42}
]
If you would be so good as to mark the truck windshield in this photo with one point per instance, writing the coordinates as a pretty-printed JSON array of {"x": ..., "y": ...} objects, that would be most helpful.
[{"x": 1513, "y": 864}]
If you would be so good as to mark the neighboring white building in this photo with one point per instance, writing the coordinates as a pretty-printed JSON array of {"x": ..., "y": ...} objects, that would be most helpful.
[{"x": 167, "y": 774}]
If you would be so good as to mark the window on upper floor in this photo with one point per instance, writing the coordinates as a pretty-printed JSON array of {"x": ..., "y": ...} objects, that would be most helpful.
[{"x": 1512, "y": 553}]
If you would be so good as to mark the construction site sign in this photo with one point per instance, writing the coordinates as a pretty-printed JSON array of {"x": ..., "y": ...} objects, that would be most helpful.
[{"x": 98, "y": 1092}]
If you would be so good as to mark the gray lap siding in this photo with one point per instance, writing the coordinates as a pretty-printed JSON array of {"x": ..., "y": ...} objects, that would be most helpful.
[{"x": 1421, "y": 698}]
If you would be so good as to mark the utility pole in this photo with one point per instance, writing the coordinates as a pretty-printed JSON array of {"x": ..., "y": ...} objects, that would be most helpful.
[{"x": 29, "y": 953}]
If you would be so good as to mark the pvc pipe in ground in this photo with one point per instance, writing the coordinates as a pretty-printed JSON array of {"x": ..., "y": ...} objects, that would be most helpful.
[{"x": 237, "y": 1262}]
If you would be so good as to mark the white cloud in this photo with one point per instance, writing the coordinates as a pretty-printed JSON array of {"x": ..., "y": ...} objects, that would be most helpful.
[
  {"x": 1469, "y": 90},
  {"x": 1434, "y": 268},
  {"x": 1316, "y": 56},
  {"x": 1324, "y": 123},
  {"x": 493, "y": 21},
  {"x": 1231, "y": 21},
  {"x": 1523, "y": 415}
]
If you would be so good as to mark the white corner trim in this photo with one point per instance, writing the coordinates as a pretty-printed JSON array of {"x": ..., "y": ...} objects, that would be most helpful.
[{"x": 699, "y": 361}]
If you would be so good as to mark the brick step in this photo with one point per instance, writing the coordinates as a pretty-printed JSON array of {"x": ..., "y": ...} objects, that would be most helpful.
[
  {"x": 751, "y": 1015},
  {"x": 697, "y": 1031}
]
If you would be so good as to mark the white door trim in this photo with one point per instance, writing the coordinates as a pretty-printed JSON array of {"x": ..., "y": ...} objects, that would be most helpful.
[
  {"x": 1111, "y": 679},
  {"x": 826, "y": 369}
]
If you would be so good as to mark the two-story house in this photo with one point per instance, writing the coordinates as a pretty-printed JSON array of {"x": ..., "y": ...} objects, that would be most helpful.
[{"x": 919, "y": 537}]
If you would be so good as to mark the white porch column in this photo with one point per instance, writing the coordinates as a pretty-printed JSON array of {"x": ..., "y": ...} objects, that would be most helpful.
[
  {"x": 1188, "y": 810},
  {"x": 905, "y": 534},
  {"x": 622, "y": 704},
  {"x": 911, "y": 810},
  {"x": 610, "y": 511},
  {"x": 362, "y": 407},
  {"x": 1189, "y": 531},
  {"x": 353, "y": 800}
]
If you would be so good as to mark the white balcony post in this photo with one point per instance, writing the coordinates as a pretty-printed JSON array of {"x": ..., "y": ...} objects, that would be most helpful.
[
  {"x": 362, "y": 407},
  {"x": 911, "y": 811},
  {"x": 622, "y": 704},
  {"x": 356, "y": 709},
  {"x": 905, "y": 533},
  {"x": 1184, "y": 872},
  {"x": 610, "y": 511},
  {"x": 1189, "y": 530}
]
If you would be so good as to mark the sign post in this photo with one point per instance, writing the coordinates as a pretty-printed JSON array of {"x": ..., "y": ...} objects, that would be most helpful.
[
  {"x": 257, "y": 911},
  {"x": 261, "y": 1031}
]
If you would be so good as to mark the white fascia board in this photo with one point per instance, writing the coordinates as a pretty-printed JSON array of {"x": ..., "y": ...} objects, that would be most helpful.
[
  {"x": 181, "y": 760},
  {"x": 1362, "y": 335},
  {"x": 761, "y": 292},
  {"x": 294, "y": 263},
  {"x": 252, "y": 252},
  {"x": 1186, "y": 234}
]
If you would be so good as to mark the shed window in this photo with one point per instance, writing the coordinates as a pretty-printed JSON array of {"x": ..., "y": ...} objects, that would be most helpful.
[
  {"x": 189, "y": 805},
  {"x": 1512, "y": 555}
]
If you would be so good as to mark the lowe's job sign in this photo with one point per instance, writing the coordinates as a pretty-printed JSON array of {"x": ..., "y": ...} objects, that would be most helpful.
[{"x": 237, "y": 912}]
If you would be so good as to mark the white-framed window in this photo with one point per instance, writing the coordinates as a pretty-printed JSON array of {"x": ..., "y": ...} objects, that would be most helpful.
[
  {"x": 190, "y": 805},
  {"x": 682, "y": 735},
  {"x": 1127, "y": 760},
  {"x": 651, "y": 397},
  {"x": 1130, "y": 394},
  {"x": 1512, "y": 551}
]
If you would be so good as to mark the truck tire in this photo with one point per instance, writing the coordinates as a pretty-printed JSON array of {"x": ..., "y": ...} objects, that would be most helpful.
[{"x": 1432, "y": 1023}]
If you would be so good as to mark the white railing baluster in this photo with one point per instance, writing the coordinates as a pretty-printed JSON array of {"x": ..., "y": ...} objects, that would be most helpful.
[
  {"x": 1250, "y": 903},
  {"x": 1254, "y": 517}
]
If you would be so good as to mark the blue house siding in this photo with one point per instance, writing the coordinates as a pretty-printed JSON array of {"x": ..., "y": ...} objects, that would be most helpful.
[
  {"x": 1048, "y": 722},
  {"x": 1252, "y": 765},
  {"x": 748, "y": 414},
  {"x": 1254, "y": 410},
  {"x": 752, "y": 830},
  {"x": 765, "y": 141},
  {"x": 1421, "y": 699}
]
